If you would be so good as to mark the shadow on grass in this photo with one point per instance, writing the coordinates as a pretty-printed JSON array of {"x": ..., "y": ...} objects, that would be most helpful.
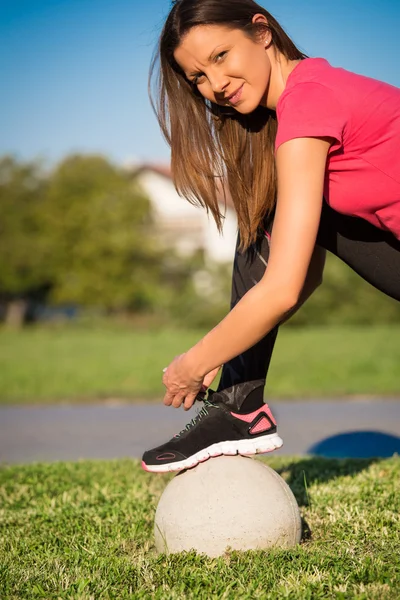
[
  {"x": 337, "y": 456},
  {"x": 301, "y": 474}
]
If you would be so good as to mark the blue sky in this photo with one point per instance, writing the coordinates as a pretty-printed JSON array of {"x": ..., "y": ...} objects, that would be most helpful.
[{"x": 74, "y": 72}]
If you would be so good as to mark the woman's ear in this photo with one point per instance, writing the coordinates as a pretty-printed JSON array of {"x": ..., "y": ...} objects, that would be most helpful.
[
  {"x": 266, "y": 36},
  {"x": 259, "y": 19}
]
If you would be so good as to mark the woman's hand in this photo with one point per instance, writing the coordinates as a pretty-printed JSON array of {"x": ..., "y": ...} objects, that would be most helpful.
[{"x": 183, "y": 383}]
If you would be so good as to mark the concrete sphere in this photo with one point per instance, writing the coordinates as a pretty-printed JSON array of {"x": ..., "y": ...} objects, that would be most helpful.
[{"x": 227, "y": 502}]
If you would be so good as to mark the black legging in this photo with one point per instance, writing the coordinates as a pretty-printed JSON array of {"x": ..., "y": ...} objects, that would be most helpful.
[{"x": 374, "y": 254}]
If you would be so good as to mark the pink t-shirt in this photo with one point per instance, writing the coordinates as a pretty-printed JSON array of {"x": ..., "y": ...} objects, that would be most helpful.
[{"x": 363, "y": 116}]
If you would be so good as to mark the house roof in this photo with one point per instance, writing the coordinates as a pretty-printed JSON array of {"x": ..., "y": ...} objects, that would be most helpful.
[
  {"x": 160, "y": 169},
  {"x": 165, "y": 171}
]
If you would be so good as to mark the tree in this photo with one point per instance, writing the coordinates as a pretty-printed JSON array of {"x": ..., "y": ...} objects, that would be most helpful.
[
  {"x": 23, "y": 248},
  {"x": 98, "y": 220}
]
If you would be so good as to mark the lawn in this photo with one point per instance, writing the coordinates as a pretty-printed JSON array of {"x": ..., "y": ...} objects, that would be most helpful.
[
  {"x": 84, "y": 531},
  {"x": 76, "y": 364}
]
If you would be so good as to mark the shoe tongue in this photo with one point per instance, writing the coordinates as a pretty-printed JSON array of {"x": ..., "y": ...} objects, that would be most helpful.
[
  {"x": 213, "y": 398},
  {"x": 210, "y": 397},
  {"x": 206, "y": 397},
  {"x": 201, "y": 396}
]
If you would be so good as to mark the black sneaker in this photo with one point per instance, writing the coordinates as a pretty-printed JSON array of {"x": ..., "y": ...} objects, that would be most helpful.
[{"x": 215, "y": 430}]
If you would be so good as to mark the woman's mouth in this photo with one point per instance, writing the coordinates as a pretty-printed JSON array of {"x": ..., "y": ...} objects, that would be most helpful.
[{"x": 234, "y": 99}]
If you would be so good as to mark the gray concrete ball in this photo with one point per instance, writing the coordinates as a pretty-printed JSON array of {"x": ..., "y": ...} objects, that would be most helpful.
[{"x": 229, "y": 502}]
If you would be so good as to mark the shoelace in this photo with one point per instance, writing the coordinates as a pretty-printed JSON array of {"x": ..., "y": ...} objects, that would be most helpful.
[{"x": 207, "y": 404}]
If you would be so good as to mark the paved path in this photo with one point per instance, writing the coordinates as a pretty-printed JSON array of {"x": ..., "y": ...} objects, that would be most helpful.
[{"x": 101, "y": 431}]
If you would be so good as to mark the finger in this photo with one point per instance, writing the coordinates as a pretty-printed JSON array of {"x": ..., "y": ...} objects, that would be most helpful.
[
  {"x": 177, "y": 401},
  {"x": 168, "y": 399},
  {"x": 189, "y": 401}
]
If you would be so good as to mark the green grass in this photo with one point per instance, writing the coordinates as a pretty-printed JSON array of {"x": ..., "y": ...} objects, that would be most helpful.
[
  {"x": 47, "y": 365},
  {"x": 84, "y": 531}
]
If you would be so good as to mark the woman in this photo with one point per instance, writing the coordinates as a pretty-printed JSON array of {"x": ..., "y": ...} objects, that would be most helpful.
[{"x": 311, "y": 157}]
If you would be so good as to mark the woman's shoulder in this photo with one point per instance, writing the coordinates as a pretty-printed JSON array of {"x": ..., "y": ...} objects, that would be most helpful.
[
  {"x": 320, "y": 71},
  {"x": 316, "y": 77},
  {"x": 320, "y": 100}
]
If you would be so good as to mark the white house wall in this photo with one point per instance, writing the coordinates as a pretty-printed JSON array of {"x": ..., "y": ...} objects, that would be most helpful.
[{"x": 188, "y": 227}]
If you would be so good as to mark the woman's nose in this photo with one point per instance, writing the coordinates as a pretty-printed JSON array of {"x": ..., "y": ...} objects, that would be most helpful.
[{"x": 219, "y": 84}]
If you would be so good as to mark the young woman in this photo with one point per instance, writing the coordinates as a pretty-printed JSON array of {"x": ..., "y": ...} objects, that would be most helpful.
[{"x": 310, "y": 154}]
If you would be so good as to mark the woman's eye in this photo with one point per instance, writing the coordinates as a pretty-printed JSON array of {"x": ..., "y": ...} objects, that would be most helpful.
[
  {"x": 220, "y": 55},
  {"x": 196, "y": 79}
]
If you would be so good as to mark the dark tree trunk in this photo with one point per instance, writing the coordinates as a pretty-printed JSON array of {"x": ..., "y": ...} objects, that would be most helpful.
[{"x": 16, "y": 313}]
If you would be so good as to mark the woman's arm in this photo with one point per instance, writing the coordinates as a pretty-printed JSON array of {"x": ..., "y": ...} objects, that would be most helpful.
[
  {"x": 313, "y": 280},
  {"x": 301, "y": 170}
]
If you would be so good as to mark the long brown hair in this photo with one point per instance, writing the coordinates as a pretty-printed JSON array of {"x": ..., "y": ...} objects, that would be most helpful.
[{"x": 213, "y": 145}]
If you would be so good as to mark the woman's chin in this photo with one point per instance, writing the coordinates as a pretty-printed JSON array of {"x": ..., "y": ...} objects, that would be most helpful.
[{"x": 248, "y": 106}]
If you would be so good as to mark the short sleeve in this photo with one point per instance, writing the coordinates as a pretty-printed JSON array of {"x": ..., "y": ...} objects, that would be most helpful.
[{"x": 309, "y": 110}]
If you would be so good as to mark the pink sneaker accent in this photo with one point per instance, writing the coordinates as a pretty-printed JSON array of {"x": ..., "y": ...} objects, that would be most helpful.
[
  {"x": 166, "y": 456},
  {"x": 251, "y": 416},
  {"x": 262, "y": 425}
]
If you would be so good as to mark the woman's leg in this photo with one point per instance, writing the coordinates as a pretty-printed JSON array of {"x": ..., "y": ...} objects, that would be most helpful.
[
  {"x": 372, "y": 253},
  {"x": 243, "y": 378}
]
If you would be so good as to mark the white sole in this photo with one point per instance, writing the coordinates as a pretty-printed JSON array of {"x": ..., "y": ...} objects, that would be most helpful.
[{"x": 266, "y": 443}]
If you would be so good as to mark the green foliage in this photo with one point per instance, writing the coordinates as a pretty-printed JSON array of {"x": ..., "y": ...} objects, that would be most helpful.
[
  {"x": 23, "y": 253},
  {"x": 85, "y": 530},
  {"x": 84, "y": 233},
  {"x": 204, "y": 301},
  {"x": 98, "y": 220}
]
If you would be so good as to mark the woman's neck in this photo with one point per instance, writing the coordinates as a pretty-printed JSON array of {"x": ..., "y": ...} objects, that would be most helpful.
[{"x": 281, "y": 68}]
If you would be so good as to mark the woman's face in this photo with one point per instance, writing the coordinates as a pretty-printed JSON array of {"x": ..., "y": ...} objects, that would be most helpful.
[{"x": 227, "y": 66}]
